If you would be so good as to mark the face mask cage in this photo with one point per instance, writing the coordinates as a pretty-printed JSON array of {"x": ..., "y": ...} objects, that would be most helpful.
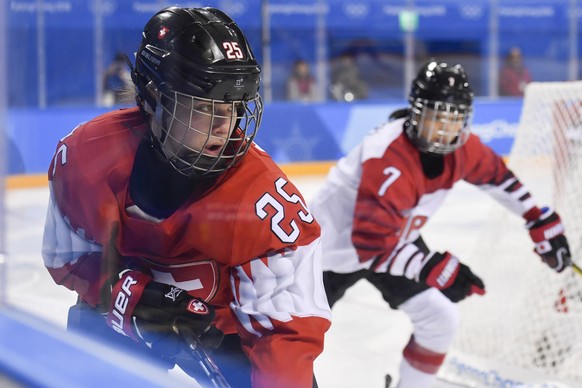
[
  {"x": 203, "y": 137},
  {"x": 439, "y": 127}
]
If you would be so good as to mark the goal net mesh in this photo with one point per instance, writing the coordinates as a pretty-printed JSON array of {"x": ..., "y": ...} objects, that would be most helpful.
[{"x": 531, "y": 317}]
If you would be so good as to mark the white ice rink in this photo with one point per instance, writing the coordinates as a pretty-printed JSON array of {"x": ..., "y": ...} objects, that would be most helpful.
[{"x": 366, "y": 338}]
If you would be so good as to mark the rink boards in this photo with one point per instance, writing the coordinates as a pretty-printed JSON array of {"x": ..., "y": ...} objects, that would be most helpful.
[{"x": 34, "y": 353}]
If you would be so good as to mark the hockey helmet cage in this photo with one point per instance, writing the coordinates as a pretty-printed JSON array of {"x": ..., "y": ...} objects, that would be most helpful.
[
  {"x": 440, "y": 108},
  {"x": 193, "y": 55}
]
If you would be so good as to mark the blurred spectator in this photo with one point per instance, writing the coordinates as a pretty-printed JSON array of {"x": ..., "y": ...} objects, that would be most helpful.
[
  {"x": 301, "y": 84},
  {"x": 346, "y": 83},
  {"x": 514, "y": 74},
  {"x": 116, "y": 81}
]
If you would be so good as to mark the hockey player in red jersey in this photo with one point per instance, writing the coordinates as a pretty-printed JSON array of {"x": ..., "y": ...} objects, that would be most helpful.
[
  {"x": 375, "y": 201},
  {"x": 166, "y": 217}
]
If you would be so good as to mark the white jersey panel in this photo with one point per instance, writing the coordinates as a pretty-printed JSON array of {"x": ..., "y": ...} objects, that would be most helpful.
[
  {"x": 61, "y": 245},
  {"x": 378, "y": 140},
  {"x": 287, "y": 285},
  {"x": 333, "y": 205},
  {"x": 333, "y": 208}
]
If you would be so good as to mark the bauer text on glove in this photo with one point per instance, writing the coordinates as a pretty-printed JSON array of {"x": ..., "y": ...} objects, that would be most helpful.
[{"x": 143, "y": 309}]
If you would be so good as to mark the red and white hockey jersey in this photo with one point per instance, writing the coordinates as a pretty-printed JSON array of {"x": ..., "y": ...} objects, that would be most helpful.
[
  {"x": 375, "y": 201},
  {"x": 249, "y": 247}
]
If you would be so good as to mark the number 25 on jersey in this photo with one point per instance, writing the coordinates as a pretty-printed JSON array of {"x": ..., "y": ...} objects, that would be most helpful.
[{"x": 287, "y": 232}]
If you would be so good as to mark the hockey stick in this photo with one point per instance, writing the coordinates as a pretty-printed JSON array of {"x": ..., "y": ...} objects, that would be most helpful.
[
  {"x": 202, "y": 357},
  {"x": 577, "y": 269}
]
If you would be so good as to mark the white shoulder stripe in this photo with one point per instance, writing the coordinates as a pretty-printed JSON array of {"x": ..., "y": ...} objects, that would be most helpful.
[
  {"x": 61, "y": 245},
  {"x": 377, "y": 141}
]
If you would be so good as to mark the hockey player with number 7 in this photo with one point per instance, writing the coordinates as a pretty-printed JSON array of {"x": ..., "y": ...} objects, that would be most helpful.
[
  {"x": 375, "y": 201},
  {"x": 175, "y": 229}
]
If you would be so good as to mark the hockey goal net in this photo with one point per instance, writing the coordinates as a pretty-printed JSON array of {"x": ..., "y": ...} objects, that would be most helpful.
[{"x": 528, "y": 327}]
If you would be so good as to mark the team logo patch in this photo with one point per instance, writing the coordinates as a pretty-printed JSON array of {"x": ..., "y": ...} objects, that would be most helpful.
[
  {"x": 173, "y": 294},
  {"x": 197, "y": 307},
  {"x": 199, "y": 279}
]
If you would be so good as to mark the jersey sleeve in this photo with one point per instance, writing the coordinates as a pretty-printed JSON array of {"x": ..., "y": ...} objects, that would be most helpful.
[
  {"x": 282, "y": 315},
  {"x": 76, "y": 231},
  {"x": 488, "y": 171},
  {"x": 72, "y": 260},
  {"x": 278, "y": 297}
]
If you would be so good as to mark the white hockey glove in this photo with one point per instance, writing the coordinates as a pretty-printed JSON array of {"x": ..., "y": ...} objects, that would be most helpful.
[{"x": 547, "y": 232}]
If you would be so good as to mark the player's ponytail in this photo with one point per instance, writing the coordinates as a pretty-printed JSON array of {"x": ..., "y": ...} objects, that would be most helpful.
[{"x": 399, "y": 114}]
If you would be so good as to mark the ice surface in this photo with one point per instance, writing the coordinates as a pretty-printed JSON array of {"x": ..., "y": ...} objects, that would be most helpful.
[{"x": 366, "y": 338}]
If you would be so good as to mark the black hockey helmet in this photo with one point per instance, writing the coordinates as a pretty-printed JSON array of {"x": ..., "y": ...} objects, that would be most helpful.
[
  {"x": 441, "y": 108},
  {"x": 193, "y": 56}
]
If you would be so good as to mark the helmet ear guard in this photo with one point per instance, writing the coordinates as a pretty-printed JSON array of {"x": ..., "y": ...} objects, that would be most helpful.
[
  {"x": 155, "y": 112},
  {"x": 146, "y": 91},
  {"x": 148, "y": 97},
  {"x": 152, "y": 96}
]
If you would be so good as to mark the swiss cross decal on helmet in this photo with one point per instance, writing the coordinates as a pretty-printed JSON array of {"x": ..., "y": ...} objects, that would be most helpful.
[
  {"x": 440, "y": 108},
  {"x": 197, "y": 80},
  {"x": 163, "y": 32}
]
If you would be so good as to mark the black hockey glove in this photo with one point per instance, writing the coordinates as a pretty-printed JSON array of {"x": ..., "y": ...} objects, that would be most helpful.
[
  {"x": 446, "y": 273},
  {"x": 153, "y": 312},
  {"x": 547, "y": 232}
]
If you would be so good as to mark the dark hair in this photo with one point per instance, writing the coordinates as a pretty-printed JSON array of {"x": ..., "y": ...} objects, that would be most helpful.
[{"x": 399, "y": 114}]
